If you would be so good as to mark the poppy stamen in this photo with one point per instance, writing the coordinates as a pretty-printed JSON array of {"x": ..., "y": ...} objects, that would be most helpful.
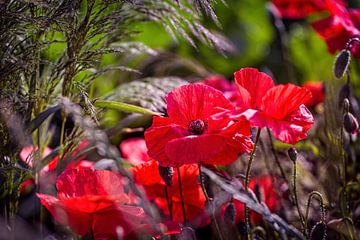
[{"x": 197, "y": 127}]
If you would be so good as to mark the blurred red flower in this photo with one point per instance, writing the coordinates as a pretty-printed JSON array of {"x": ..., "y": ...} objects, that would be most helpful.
[
  {"x": 317, "y": 90},
  {"x": 147, "y": 175},
  {"x": 337, "y": 29},
  {"x": 223, "y": 85},
  {"x": 134, "y": 150},
  {"x": 298, "y": 9},
  {"x": 264, "y": 189},
  {"x": 27, "y": 186},
  {"x": 27, "y": 156},
  {"x": 89, "y": 200},
  {"x": 280, "y": 108},
  {"x": 195, "y": 131}
]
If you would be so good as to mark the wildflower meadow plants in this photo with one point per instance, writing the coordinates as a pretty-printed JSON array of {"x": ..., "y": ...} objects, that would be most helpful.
[{"x": 161, "y": 119}]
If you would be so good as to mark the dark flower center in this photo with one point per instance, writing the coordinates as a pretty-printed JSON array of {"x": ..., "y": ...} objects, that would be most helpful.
[{"x": 197, "y": 126}]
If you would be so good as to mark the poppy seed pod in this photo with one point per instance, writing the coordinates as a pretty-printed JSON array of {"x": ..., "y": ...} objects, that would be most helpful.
[
  {"x": 166, "y": 174},
  {"x": 318, "y": 232},
  {"x": 341, "y": 64},
  {"x": 350, "y": 123},
  {"x": 292, "y": 152}
]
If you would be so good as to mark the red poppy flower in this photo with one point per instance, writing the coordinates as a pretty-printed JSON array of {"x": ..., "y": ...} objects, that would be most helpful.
[
  {"x": 134, "y": 150},
  {"x": 280, "y": 108},
  {"x": 94, "y": 200},
  {"x": 317, "y": 90},
  {"x": 147, "y": 175},
  {"x": 298, "y": 9},
  {"x": 195, "y": 132},
  {"x": 265, "y": 191},
  {"x": 339, "y": 27}
]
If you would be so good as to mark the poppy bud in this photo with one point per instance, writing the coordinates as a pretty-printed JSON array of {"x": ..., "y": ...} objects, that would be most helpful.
[
  {"x": 346, "y": 105},
  {"x": 318, "y": 232},
  {"x": 350, "y": 123},
  {"x": 292, "y": 152},
  {"x": 229, "y": 214},
  {"x": 166, "y": 174},
  {"x": 342, "y": 62},
  {"x": 345, "y": 92}
]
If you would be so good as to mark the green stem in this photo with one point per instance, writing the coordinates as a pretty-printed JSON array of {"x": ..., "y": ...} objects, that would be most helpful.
[
  {"x": 181, "y": 195},
  {"x": 247, "y": 180},
  {"x": 320, "y": 198},
  {"x": 208, "y": 201},
  {"x": 168, "y": 202},
  {"x": 276, "y": 157},
  {"x": 92, "y": 236}
]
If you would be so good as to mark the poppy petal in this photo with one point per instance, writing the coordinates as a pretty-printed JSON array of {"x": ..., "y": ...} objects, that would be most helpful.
[
  {"x": 134, "y": 150},
  {"x": 288, "y": 98},
  {"x": 157, "y": 137},
  {"x": 289, "y": 130},
  {"x": 85, "y": 181},
  {"x": 195, "y": 101},
  {"x": 78, "y": 221},
  {"x": 252, "y": 85},
  {"x": 195, "y": 149}
]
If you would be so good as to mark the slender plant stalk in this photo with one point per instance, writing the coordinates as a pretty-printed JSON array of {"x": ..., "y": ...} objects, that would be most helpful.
[
  {"x": 92, "y": 236},
  {"x": 62, "y": 133},
  {"x": 168, "y": 202},
  {"x": 343, "y": 163},
  {"x": 322, "y": 208},
  {"x": 296, "y": 200},
  {"x": 181, "y": 195},
  {"x": 208, "y": 201},
  {"x": 247, "y": 180},
  {"x": 343, "y": 155},
  {"x": 276, "y": 156},
  {"x": 266, "y": 160}
]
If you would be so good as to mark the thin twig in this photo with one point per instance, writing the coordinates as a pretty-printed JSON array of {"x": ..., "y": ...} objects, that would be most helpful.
[
  {"x": 296, "y": 199},
  {"x": 181, "y": 195},
  {"x": 247, "y": 180},
  {"x": 208, "y": 201}
]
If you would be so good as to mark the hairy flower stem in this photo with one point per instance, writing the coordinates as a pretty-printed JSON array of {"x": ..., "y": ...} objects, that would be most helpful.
[
  {"x": 92, "y": 236},
  {"x": 322, "y": 208},
  {"x": 345, "y": 212},
  {"x": 296, "y": 200},
  {"x": 168, "y": 202},
  {"x": 181, "y": 194},
  {"x": 208, "y": 201},
  {"x": 343, "y": 154},
  {"x": 247, "y": 180},
  {"x": 276, "y": 156}
]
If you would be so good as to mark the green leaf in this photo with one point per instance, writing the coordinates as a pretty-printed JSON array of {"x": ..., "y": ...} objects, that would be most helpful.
[
  {"x": 124, "y": 107},
  {"x": 148, "y": 93}
]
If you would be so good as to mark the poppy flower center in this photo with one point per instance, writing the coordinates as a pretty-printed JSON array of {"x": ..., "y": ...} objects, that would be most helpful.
[{"x": 197, "y": 126}]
